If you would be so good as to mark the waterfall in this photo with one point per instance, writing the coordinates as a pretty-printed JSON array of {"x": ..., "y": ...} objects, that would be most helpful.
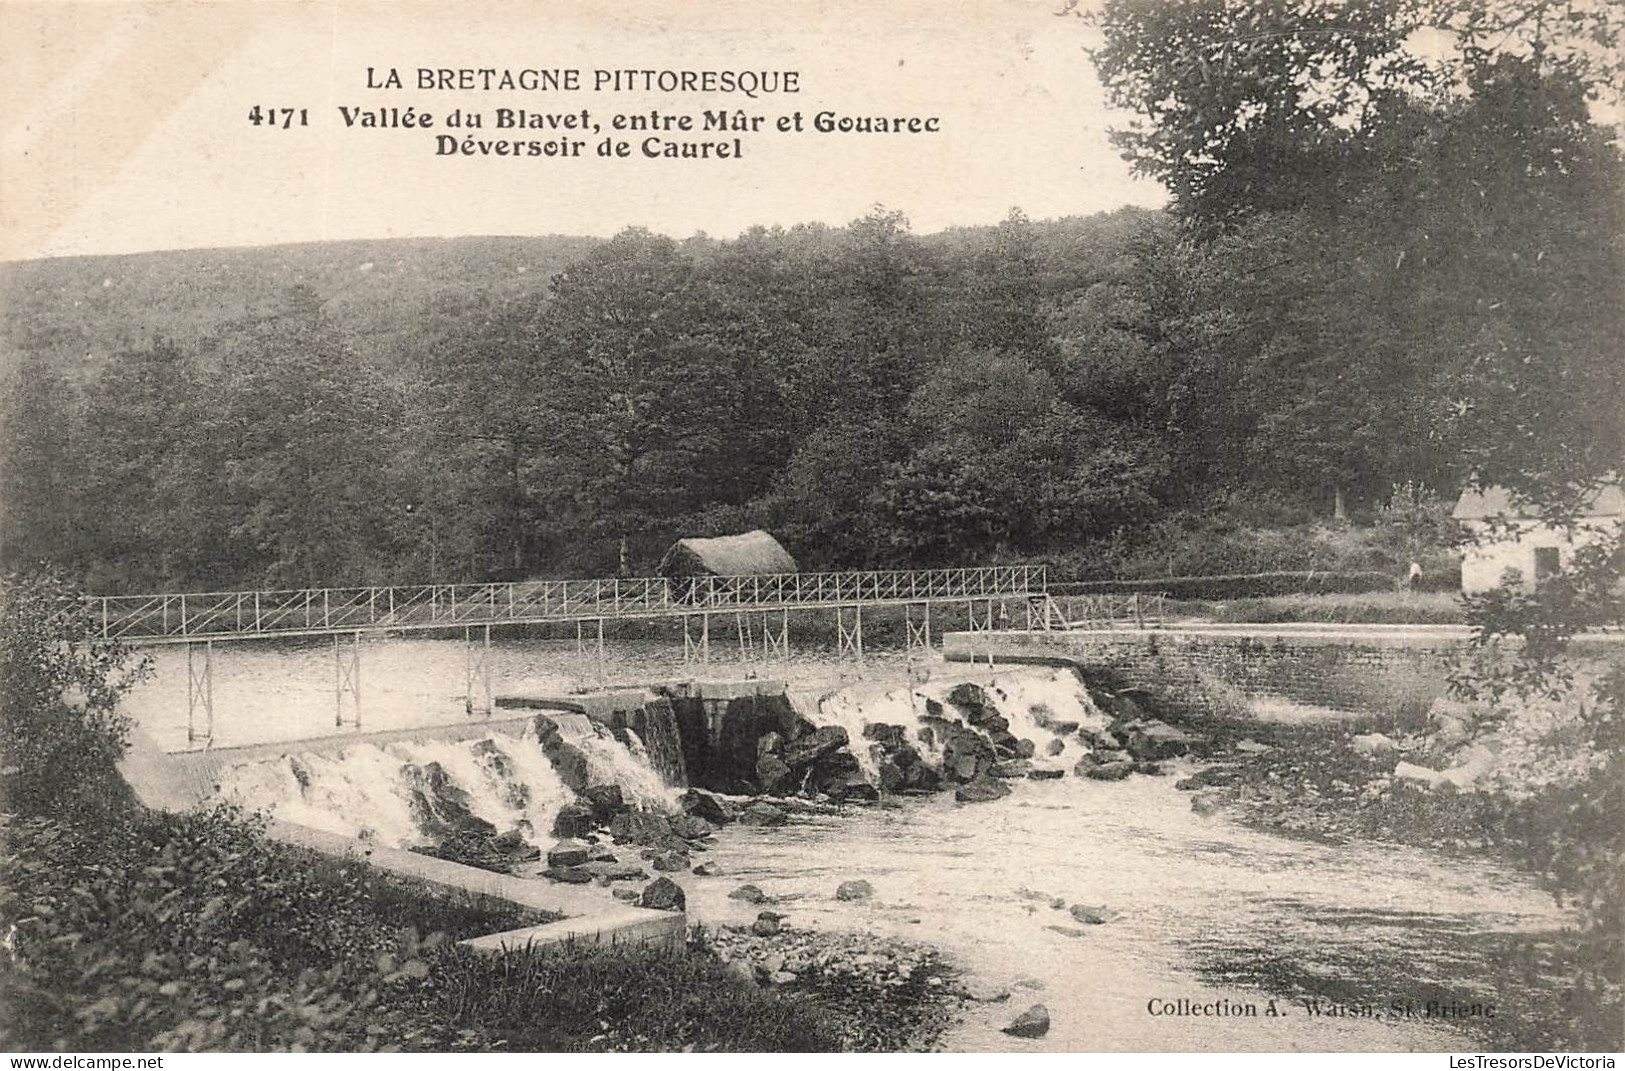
[
  {"x": 656, "y": 725},
  {"x": 612, "y": 762},
  {"x": 403, "y": 794}
]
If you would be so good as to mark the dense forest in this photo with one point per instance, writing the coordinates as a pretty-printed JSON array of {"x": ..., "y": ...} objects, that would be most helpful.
[{"x": 1395, "y": 280}]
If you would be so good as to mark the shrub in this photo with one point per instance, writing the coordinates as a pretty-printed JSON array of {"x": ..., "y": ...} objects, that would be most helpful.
[{"x": 61, "y": 732}]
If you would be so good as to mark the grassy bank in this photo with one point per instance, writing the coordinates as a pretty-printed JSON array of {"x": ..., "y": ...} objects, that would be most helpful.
[
  {"x": 151, "y": 931},
  {"x": 1366, "y": 608}
]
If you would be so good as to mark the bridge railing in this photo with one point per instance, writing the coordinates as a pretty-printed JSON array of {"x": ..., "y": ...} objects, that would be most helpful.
[{"x": 216, "y": 614}]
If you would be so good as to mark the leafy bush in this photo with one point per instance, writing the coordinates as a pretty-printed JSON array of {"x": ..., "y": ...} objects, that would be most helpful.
[
  {"x": 60, "y": 729},
  {"x": 196, "y": 932}
]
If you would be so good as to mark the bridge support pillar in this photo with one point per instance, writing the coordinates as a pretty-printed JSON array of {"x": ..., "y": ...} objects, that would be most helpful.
[
  {"x": 849, "y": 640},
  {"x": 981, "y": 620},
  {"x": 347, "y": 678},
  {"x": 477, "y": 671},
  {"x": 776, "y": 644},
  {"x": 747, "y": 636},
  {"x": 697, "y": 648},
  {"x": 200, "y": 691},
  {"x": 916, "y": 636},
  {"x": 590, "y": 651}
]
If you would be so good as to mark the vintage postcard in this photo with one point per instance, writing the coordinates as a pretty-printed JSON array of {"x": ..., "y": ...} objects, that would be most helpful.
[{"x": 979, "y": 526}]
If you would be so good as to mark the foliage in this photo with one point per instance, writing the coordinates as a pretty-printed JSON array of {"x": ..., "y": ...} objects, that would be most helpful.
[
  {"x": 60, "y": 728},
  {"x": 1414, "y": 521},
  {"x": 1384, "y": 607},
  {"x": 196, "y": 932}
]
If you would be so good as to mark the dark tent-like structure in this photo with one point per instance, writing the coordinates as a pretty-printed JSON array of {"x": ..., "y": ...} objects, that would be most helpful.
[{"x": 751, "y": 554}]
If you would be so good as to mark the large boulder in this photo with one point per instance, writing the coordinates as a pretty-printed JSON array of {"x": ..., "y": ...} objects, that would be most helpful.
[
  {"x": 1105, "y": 771},
  {"x": 573, "y": 875},
  {"x": 606, "y": 801},
  {"x": 1152, "y": 739},
  {"x": 890, "y": 737},
  {"x": 567, "y": 854},
  {"x": 691, "y": 827},
  {"x": 922, "y": 778},
  {"x": 760, "y": 813},
  {"x": 709, "y": 806},
  {"x": 663, "y": 894},
  {"x": 854, "y": 890},
  {"x": 850, "y": 786},
  {"x": 639, "y": 827},
  {"x": 966, "y": 755},
  {"x": 773, "y": 775},
  {"x": 983, "y": 791},
  {"x": 973, "y": 702},
  {"x": 574, "y": 820},
  {"x": 808, "y": 749},
  {"x": 1032, "y": 1023}
]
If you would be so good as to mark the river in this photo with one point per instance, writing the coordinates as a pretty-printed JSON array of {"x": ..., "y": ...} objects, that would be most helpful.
[{"x": 978, "y": 881}]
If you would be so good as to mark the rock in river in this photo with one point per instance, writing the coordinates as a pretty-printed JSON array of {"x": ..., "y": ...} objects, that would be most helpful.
[
  {"x": 750, "y": 894},
  {"x": 574, "y": 820},
  {"x": 763, "y": 814},
  {"x": 671, "y": 861},
  {"x": 1032, "y": 1023},
  {"x": 1105, "y": 771},
  {"x": 1153, "y": 739},
  {"x": 709, "y": 806},
  {"x": 639, "y": 827},
  {"x": 663, "y": 894},
  {"x": 854, "y": 890},
  {"x": 567, "y": 855},
  {"x": 1094, "y": 916},
  {"x": 983, "y": 791}
]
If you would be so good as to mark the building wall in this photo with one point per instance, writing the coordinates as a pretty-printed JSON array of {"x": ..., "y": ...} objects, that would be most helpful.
[{"x": 1483, "y": 564}]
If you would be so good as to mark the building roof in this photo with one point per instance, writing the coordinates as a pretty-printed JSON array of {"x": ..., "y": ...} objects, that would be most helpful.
[
  {"x": 1478, "y": 505},
  {"x": 749, "y": 554}
]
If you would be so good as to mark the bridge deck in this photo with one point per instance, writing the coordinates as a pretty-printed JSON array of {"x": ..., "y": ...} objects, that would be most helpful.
[{"x": 242, "y": 615}]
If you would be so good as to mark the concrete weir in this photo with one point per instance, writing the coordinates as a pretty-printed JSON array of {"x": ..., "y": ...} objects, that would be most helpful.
[{"x": 183, "y": 781}]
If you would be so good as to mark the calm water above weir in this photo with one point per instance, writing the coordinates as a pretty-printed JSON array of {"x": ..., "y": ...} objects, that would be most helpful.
[{"x": 978, "y": 881}]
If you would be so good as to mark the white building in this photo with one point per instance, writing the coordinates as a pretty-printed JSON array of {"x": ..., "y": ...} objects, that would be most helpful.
[{"x": 1530, "y": 547}]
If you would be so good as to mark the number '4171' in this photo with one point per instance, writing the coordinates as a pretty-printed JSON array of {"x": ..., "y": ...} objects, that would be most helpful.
[{"x": 279, "y": 118}]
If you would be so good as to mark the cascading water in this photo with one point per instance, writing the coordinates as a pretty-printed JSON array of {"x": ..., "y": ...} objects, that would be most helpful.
[
  {"x": 655, "y": 724},
  {"x": 404, "y": 794},
  {"x": 1033, "y": 700},
  {"x": 611, "y": 762}
]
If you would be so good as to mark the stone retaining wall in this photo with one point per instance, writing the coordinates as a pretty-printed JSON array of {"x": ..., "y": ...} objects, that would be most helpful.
[{"x": 1240, "y": 668}]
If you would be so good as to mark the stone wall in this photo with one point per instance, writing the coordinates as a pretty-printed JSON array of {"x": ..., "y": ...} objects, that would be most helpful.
[{"x": 1239, "y": 669}]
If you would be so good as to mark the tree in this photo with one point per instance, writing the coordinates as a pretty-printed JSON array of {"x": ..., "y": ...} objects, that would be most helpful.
[
  {"x": 41, "y": 469},
  {"x": 61, "y": 732},
  {"x": 301, "y": 425}
]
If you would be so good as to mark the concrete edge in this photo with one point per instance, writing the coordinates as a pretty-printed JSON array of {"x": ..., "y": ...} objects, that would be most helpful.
[
  {"x": 635, "y": 925},
  {"x": 168, "y": 782}
]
